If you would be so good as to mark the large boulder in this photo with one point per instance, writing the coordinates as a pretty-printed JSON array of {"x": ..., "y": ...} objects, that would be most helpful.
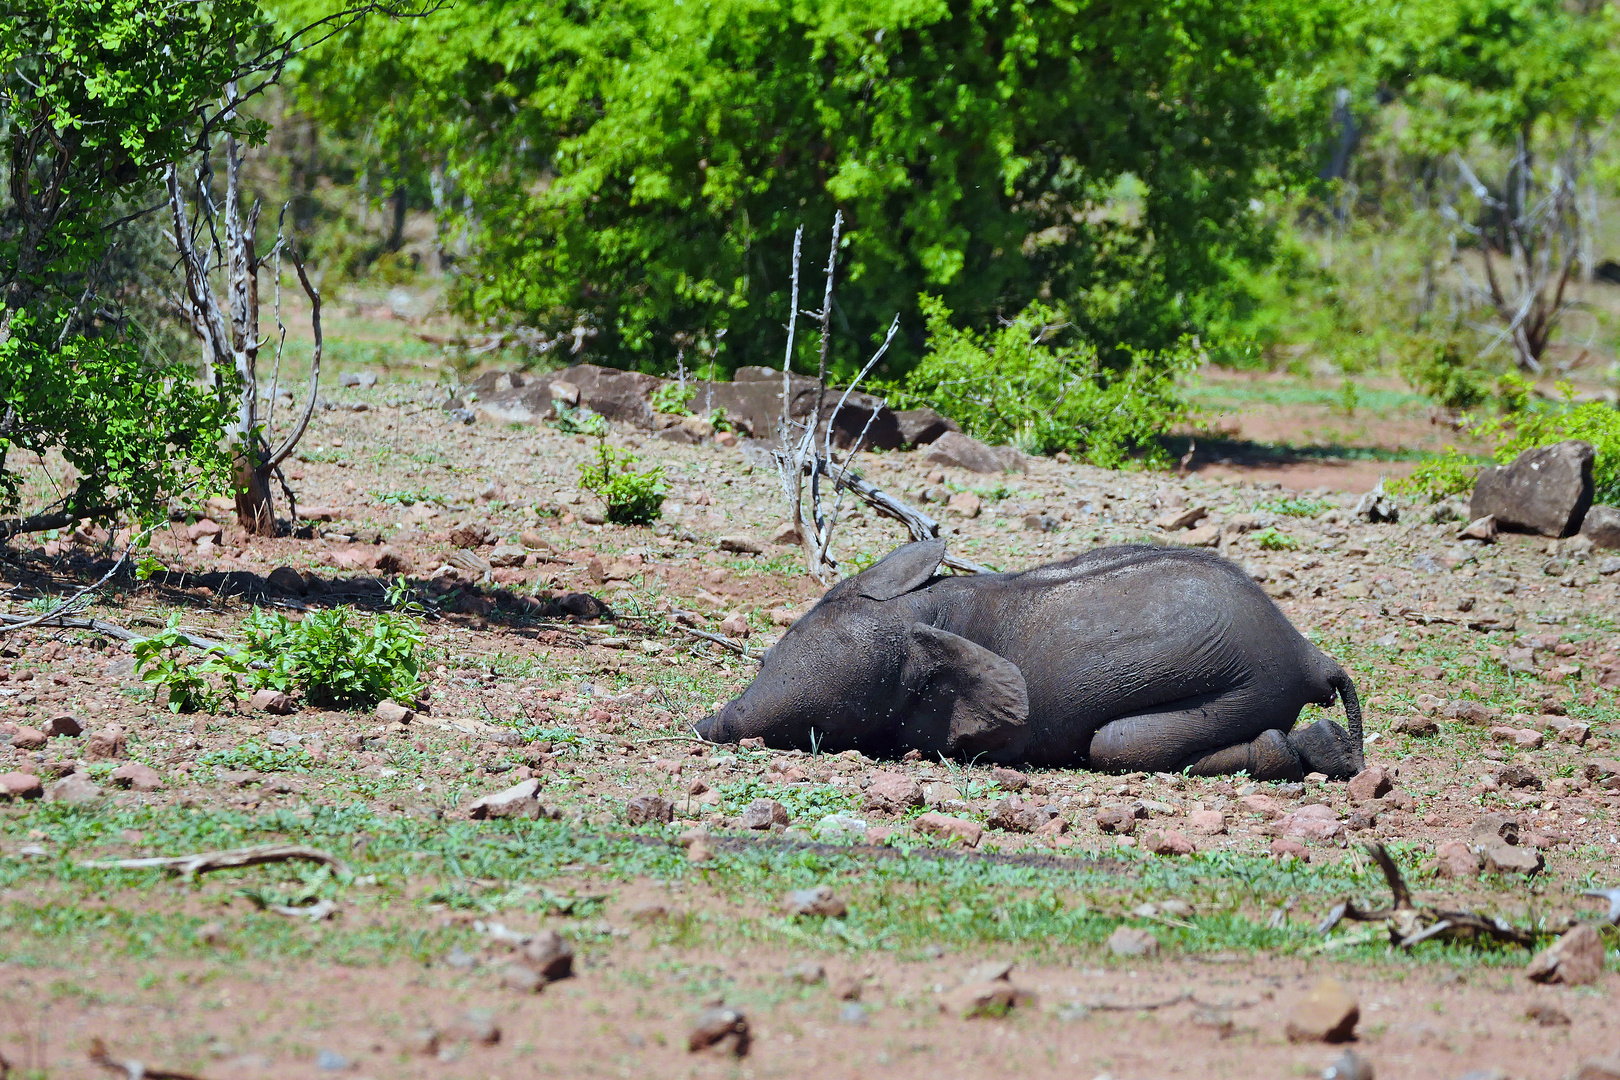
[
  {"x": 919, "y": 427},
  {"x": 1546, "y": 490},
  {"x": 1602, "y": 526},
  {"x": 958, "y": 450},
  {"x": 513, "y": 397},
  {"x": 753, "y": 401}
]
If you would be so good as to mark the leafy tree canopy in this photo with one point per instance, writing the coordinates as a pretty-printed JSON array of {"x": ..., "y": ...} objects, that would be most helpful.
[{"x": 642, "y": 164}]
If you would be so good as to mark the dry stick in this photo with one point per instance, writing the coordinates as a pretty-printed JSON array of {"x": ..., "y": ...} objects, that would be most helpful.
[
  {"x": 133, "y": 1070},
  {"x": 736, "y": 647},
  {"x": 826, "y": 445},
  {"x": 824, "y": 527},
  {"x": 190, "y": 866},
  {"x": 920, "y": 525},
  {"x": 62, "y": 608}
]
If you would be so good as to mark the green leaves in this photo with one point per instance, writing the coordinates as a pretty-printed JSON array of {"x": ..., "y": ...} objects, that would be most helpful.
[
  {"x": 333, "y": 661},
  {"x": 643, "y": 165},
  {"x": 630, "y": 497}
]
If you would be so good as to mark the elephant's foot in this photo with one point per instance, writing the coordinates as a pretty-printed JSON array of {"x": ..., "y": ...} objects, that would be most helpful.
[
  {"x": 1327, "y": 748},
  {"x": 1269, "y": 757}
]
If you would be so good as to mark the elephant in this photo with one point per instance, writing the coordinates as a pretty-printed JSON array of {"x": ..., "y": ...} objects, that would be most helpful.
[{"x": 1122, "y": 659}]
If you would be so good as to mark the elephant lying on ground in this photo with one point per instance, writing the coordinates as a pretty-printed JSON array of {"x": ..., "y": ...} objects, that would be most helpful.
[{"x": 1120, "y": 659}]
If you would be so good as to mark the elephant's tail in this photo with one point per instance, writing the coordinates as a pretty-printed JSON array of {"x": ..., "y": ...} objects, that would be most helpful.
[{"x": 1341, "y": 682}]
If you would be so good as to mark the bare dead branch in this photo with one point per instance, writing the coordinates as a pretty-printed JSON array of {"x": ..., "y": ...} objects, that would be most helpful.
[
  {"x": 132, "y": 1069},
  {"x": 190, "y": 866}
]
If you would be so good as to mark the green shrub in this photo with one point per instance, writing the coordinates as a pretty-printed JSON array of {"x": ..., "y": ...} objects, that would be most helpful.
[
  {"x": 164, "y": 663},
  {"x": 1539, "y": 423},
  {"x": 1441, "y": 370},
  {"x": 1439, "y": 477},
  {"x": 1295, "y": 507},
  {"x": 673, "y": 399},
  {"x": 1272, "y": 540},
  {"x": 334, "y": 662},
  {"x": 1013, "y": 385},
  {"x": 630, "y": 497},
  {"x": 578, "y": 421}
]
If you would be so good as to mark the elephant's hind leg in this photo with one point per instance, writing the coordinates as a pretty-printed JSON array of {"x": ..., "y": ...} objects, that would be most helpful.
[{"x": 1191, "y": 740}]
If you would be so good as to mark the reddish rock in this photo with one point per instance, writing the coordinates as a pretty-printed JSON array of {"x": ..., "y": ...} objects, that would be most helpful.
[
  {"x": 1284, "y": 848},
  {"x": 1207, "y": 822},
  {"x": 1455, "y": 859},
  {"x": 137, "y": 777},
  {"x": 1131, "y": 942},
  {"x": 892, "y": 792},
  {"x": 1119, "y": 818},
  {"x": 392, "y": 712},
  {"x": 720, "y": 1031},
  {"x": 1314, "y": 822},
  {"x": 65, "y": 726},
  {"x": 1506, "y": 859},
  {"x": 20, "y": 785},
  {"x": 519, "y": 801},
  {"x": 649, "y": 808},
  {"x": 73, "y": 789},
  {"x": 271, "y": 701},
  {"x": 948, "y": 828},
  {"x": 105, "y": 745},
  {"x": 1328, "y": 1013},
  {"x": 1576, "y": 959},
  {"x": 1263, "y": 805},
  {"x": 1168, "y": 842},
  {"x": 762, "y": 814},
  {"x": 25, "y": 738},
  {"x": 1370, "y": 783},
  {"x": 1009, "y": 779}
]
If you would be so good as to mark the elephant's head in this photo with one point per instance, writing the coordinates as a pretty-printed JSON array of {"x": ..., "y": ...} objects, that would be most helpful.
[{"x": 865, "y": 669}]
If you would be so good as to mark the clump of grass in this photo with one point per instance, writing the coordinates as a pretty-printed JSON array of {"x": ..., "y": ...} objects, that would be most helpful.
[{"x": 1271, "y": 539}]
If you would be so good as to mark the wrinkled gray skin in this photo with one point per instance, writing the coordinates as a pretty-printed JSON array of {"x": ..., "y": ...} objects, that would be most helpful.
[{"x": 1122, "y": 659}]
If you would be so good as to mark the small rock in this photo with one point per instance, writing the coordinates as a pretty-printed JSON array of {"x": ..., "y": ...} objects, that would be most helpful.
[
  {"x": 1328, "y": 1013},
  {"x": 1602, "y": 527},
  {"x": 1315, "y": 822},
  {"x": 1481, "y": 528},
  {"x": 966, "y": 504},
  {"x": 808, "y": 973},
  {"x": 136, "y": 777},
  {"x": 1119, "y": 819},
  {"x": 1207, "y": 822},
  {"x": 392, "y": 712},
  {"x": 1516, "y": 776},
  {"x": 1455, "y": 859},
  {"x": 735, "y": 625},
  {"x": 1505, "y": 859},
  {"x": 1370, "y": 783},
  {"x": 331, "y": 1061},
  {"x": 522, "y": 978},
  {"x": 65, "y": 726},
  {"x": 549, "y": 954},
  {"x": 1285, "y": 848},
  {"x": 722, "y": 1031},
  {"x": 741, "y": 545},
  {"x": 649, "y": 808},
  {"x": 1468, "y": 712},
  {"x": 271, "y": 701},
  {"x": 962, "y": 452},
  {"x": 762, "y": 814},
  {"x": 993, "y": 999},
  {"x": 1009, "y": 779},
  {"x": 820, "y": 900},
  {"x": 787, "y": 533},
  {"x": 1491, "y": 829},
  {"x": 1017, "y": 815},
  {"x": 25, "y": 737},
  {"x": 892, "y": 792},
  {"x": 519, "y": 801},
  {"x": 20, "y": 785},
  {"x": 1181, "y": 519},
  {"x": 1131, "y": 942},
  {"x": 506, "y": 556},
  {"x": 1547, "y": 1015},
  {"x": 1203, "y": 536},
  {"x": 476, "y": 1026},
  {"x": 949, "y": 828},
  {"x": 1605, "y": 1068},
  {"x": 75, "y": 788},
  {"x": 1349, "y": 1066},
  {"x": 1263, "y": 805},
  {"x": 1416, "y": 725},
  {"x": 1168, "y": 842},
  {"x": 853, "y": 1013},
  {"x": 108, "y": 744},
  {"x": 1576, "y": 959}
]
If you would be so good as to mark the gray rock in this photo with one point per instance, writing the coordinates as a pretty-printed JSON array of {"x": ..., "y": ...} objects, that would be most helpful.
[
  {"x": 762, "y": 814},
  {"x": 820, "y": 900},
  {"x": 1128, "y": 941},
  {"x": 550, "y": 955},
  {"x": 1602, "y": 526},
  {"x": 740, "y": 545},
  {"x": 721, "y": 1030},
  {"x": 649, "y": 808},
  {"x": 958, "y": 450},
  {"x": 1377, "y": 507},
  {"x": 507, "y": 555},
  {"x": 919, "y": 427},
  {"x": 1546, "y": 490},
  {"x": 75, "y": 788},
  {"x": 519, "y": 801},
  {"x": 1349, "y": 1066}
]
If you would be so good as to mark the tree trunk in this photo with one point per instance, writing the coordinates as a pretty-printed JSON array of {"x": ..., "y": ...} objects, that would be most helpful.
[{"x": 255, "y": 508}]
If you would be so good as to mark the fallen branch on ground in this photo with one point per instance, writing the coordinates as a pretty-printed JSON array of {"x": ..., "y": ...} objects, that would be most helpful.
[
  {"x": 132, "y": 1069},
  {"x": 920, "y": 525},
  {"x": 72, "y": 604},
  {"x": 201, "y": 863},
  {"x": 735, "y": 646},
  {"x": 1409, "y": 924}
]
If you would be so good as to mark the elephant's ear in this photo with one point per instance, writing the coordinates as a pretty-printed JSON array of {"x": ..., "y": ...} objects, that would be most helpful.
[
  {"x": 899, "y": 572},
  {"x": 966, "y": 698}
]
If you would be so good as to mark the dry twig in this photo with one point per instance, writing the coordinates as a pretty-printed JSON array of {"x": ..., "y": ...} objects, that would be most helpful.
[
  {"x": 132, "y": 1069},
  {"x": 1410, "y": 924},
  {"x": 190, "y": 866}
]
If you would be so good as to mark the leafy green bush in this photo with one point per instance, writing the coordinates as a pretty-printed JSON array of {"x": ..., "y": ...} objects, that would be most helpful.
[
  {"x": 630, "y": 497},
  {"x": 1439, "y": 477},
  {"x": 673, "y": 399},
  {"x": 1539, "y": 423},
  {"x": 1294, "y": 507},
  {"x": 1013, "y": 385},
  {"x": 334, "y": 662},
  {"x": 1441, "y": 370},
  {"x": 579, "y": 420},
  {"x": 1271, "y": 539},
  {"x": 163, "y": 662}
]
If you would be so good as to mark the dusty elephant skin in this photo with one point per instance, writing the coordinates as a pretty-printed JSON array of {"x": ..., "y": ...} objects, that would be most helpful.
[{"x": 1121, "y": 659}]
